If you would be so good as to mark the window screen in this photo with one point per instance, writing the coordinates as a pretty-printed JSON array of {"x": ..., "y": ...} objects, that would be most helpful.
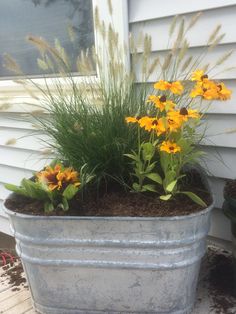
[{"x": 49, "y": 19}]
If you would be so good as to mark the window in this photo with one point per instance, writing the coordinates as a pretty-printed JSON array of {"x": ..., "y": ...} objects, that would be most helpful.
[{"x": 69, "y": 21}]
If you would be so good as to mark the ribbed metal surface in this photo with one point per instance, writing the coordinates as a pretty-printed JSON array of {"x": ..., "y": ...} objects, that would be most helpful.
[{"x": 112, "y": 265}]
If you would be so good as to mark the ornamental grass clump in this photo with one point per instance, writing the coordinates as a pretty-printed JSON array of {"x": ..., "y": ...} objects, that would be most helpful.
[{"x": 131, "y": 137}]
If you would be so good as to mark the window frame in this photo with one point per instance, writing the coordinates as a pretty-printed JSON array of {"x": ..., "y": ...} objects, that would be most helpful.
[{"x": 10, "y": 88}]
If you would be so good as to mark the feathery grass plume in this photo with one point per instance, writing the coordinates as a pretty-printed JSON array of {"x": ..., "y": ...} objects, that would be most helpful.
[
  {"x": 42, "y": 64},
  {"x": 103, "y": 30},
  {"x": 71, "y": 32},
  {"x": 194, "y": 20},
  {"x": 132, "y": 43},
  {"x": 224, "y": 57},
  {"x": 111, "y": 40},
  {"x": 11, "y": 141},
  {"x": 206, "y": 67},
  {"x": 110, "y": 8},
  {"x": 56, "y": 52},
  {"x": 11, "y": 64},
  {"x": 216, "y": 42},
  {"x": 62, "y": 53},
  {"x": 214, "y": 34},
  {"x": 153, "y": 66},
  {"x": 46, "y": 151},
  {"x": 147, "y": 48},
  {"x": 5, "y": 107},
  {"x": 180, "y": 36},
  {"x": 139, "y": 40},
  {"x": 187, "y": 63},
  {"x": 167, "y": 61},
  {"x": 39, "y": 43},
  {"x": 183, "y": 51},
  {"x": 37, "y": 112},
  {"x": 97, "y": 22},
  {"x": 84, "y": 63},
  {"x": 173, "y": 25}
]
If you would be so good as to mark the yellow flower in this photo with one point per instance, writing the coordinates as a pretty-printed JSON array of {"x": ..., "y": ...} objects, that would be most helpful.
[
  {"x": 146, "y": 123},
  {"x": 175, "y": 87},
  {"x": 162, "y": 85},
  {"x": 188, "y": 113},
  {"x": 223, "y": 92},
  {"x": 198, "y": 75},
  {"x": 210, "y": 90},
  {"x": 207, "y": 89},
  {"x": 176, "y": 118},
  {"x": 161, "y": 126},
  {"x": 131, "y": 120},
  {"x": 150, "y": 123},
  {"x": 196, "y": 91},
  {"x": 170, "y": 147},
  {"x": 161, "y": 102}
]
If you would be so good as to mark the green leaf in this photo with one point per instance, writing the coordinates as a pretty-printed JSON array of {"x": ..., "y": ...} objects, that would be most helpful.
[
  {"x": 148, "y": 151},
  {"x": 34, "y": 190},
  {"x": 165, "y": 197},
  {"x": 17, "y": 189},
  {"x": 134, "y": 157},
  {"x": 194, "y": 198},
  {"x": 155, "y": 177},
  {"x": 149, "y": 187},
  {"x": 170, "y": 187},
  {"x": 136, "y": 187},
  {"x": 65, "y": 204},
  {"x": 70, "y": 191},
  {"x": 48, "y": 207},
  {"x": 150, "y": 167}
]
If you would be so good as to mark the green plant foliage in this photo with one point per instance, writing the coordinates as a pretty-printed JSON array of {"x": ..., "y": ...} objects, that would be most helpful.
[{"x": 55, "y": 186}]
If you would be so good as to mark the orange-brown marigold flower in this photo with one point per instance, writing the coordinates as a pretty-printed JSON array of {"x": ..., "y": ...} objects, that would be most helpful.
[
  {"x": 57, "y": 177},
  {"x": 170, "y": 147}
]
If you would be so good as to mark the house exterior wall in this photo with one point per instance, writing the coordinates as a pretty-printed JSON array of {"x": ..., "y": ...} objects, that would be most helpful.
[
  {"x": 153, "y": 17},
  {"x": 18, "y": 159}
]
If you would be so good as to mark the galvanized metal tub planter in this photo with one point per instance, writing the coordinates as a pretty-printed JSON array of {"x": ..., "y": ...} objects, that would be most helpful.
[{"x": 111, "y": 264}]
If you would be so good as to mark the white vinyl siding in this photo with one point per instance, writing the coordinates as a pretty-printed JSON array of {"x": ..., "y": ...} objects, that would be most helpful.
[{"x": 153, "y": 17}]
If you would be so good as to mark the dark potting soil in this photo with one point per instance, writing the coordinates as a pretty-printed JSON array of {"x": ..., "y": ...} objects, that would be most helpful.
[
  {"x": 13, "y": 273},
  {"x": 220, "y": 281},
  {"x": 230, "y": 188},
  {"x": 121, "y": 203}
]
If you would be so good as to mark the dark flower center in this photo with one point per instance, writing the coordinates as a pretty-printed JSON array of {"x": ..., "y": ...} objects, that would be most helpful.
[
  {"x": 163, "y": 98},
  {"x": 183, "y": 111},
  {"x": 204, "y": 90},
  {"x": 219, "y": 86},
  {"x": 154, "y": 122},
  {"x": 205, "y": 76},
  {"x": 171, "y": 148}
]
